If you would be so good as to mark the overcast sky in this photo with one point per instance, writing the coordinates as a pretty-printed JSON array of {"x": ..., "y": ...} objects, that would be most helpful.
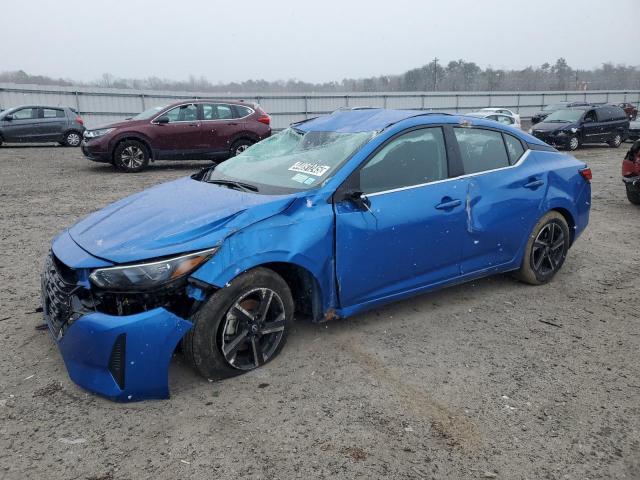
[{"x": 308, "y": 40}]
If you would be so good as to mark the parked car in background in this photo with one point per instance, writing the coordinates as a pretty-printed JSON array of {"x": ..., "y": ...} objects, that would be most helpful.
[
  {"x": 331, "y": 217},
  {"x": 634, "y": 130},
  {"x": 571, "y": 127},
  {"x": 630, "y": 109},
  {"x": 549, "y": 109},
  {"x": 195, "y": 129},
  {"x": 504, "y": 111},
  {"x": 496, "y": 117},
  {"x": 631, "y": 173},
  {"x": 34, "y": 124}
]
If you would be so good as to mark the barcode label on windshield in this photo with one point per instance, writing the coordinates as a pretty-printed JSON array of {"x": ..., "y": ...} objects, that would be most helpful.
[{"x": 310, "y": 168}]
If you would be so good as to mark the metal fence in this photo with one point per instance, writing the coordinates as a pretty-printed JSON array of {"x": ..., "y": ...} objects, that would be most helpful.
[{"x": 105, "y": 105}]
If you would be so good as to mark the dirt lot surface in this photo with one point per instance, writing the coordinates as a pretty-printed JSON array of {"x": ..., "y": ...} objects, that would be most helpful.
[{"x": 492, "y": 379}]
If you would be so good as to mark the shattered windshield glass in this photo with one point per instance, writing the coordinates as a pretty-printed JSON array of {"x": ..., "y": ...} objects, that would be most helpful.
[
  {"x": 149, "y": 113},
  {"x": 291, "y": 160}
]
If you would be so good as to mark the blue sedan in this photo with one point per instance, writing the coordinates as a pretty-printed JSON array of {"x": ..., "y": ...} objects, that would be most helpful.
[{"x": 330, "y": 217}]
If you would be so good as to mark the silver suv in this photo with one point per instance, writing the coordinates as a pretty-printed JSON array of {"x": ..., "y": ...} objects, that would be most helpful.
[{"x": 30, "y": 124}]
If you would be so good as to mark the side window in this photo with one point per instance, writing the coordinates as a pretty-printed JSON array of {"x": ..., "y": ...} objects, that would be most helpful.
[
  {"x": 209, "y": 112},
  {"x": 218, "y": 112},
  {"x": 413, "y": 158},
  {"x": 25, "y": 114},
  {"x": 514, "y": 148},
  {"x": 592, "y": 115},
  {"x": 603, "y": 114},
  {"x": 52, "y": 113},
  {"x": 183, "y": 113},
  {"x": 505, "y": 119},
  {"x": 481, "y": 150},
  {"x": 225, "y": 112}
]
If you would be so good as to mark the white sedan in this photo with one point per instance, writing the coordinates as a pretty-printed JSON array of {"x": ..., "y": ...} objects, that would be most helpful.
[
  {"x": 504, "y": 111},
  {"x": 497, "y": 117}
]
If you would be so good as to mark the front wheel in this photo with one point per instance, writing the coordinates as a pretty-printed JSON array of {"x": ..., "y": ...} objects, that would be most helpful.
[
  {"x": 546, "y": 250},
  {"x": 574, "y": 143},
  {"x": 616, "y": 141},
  {"x": 633, "y": 194},
  {"x": 131, "y": 156},
  {"x": 72, "y": 139},
  {"x": 241, "y": 327}
]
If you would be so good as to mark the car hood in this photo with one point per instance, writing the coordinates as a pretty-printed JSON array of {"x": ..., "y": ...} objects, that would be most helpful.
[
  {"x": 551, "y": 126},
  {"x": 172, "y": 218}
]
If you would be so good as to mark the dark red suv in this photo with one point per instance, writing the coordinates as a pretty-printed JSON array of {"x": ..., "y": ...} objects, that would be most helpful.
[{"x": 193, "y": 129}]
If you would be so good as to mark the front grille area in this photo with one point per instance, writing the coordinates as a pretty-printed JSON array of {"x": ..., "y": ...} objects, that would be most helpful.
[{"x": 58, "y": 287}]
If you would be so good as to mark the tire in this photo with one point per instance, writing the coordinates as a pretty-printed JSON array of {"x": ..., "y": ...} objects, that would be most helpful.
[
  {"x": 616, "y": 141},
  {"x": 72, "y": 139},
  {"x": 213, "y": 345},
  {"x": 574, "y": 143},
  {"x": 131, "y": 156},
  {"x": 546, "y": 250},
  {"x": 633, "y": 194},
  {"x": 239, "y": 146}
]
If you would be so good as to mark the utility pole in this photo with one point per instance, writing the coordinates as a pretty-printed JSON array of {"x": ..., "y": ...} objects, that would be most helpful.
[{"x": 435, "y": 74}]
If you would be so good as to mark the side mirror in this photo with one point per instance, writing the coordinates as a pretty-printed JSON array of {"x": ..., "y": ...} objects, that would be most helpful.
[
  {"x": 8, "y": 118},
  {"x": 163, "y": 120}
]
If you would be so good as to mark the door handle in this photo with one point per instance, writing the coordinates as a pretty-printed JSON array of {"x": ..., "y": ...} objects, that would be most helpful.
[
  {"x": 534, "y": 183},
  {"x": 447, "y": 204},
  {"x": 194, "y": 124},
  {"x": 234, "y": 124}
]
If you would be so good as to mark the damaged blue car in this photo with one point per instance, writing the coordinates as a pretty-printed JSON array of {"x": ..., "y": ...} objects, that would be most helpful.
[{"x": 328, "y": 218}]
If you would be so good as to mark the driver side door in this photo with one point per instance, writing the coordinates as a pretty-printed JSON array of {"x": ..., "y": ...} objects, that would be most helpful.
[
  {"x": 406, "y": 233},
  {"x": 181, "y": 137}
]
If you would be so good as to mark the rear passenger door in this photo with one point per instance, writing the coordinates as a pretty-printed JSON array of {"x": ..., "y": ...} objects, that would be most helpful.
[
  {"x": 220, "y": 124},
  {"x": 504, "y": 193},
  {"x": 51, "y": 124}
]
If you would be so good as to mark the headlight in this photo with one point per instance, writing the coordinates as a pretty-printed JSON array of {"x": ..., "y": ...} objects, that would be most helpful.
[
  {"x": 145, "y": 276},
  {"x": 531, "y": 130},
  {"x": 97, "y": 133}
]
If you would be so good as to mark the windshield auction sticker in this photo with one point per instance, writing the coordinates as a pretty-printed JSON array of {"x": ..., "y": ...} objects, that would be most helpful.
[{"x": 314, "y": 169}]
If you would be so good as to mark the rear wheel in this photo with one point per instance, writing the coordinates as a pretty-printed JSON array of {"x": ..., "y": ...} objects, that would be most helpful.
[
  {"x": 633, "y": 194},
  {"x": 131, "y": 156},
  {"x": 546, "y": 250},
  {"x": 240, "y": 146},
  {"x": 72, "y": 139},
  {"x": 616, "y": 141},
  {"x": 241, "y": 327}
]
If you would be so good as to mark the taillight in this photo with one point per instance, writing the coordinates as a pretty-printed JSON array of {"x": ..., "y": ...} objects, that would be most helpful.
[
  {"x": 586, "y": 174},
  {"x": 266, "y": 119},
  {"x": 79, "y": 120}
]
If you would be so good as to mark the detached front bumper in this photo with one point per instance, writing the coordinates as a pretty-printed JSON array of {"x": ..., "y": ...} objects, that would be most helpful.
[{"x": 122, "y": 358}]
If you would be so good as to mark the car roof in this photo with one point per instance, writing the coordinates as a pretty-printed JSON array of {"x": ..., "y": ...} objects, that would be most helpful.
[{"x": 359, "y": 120}]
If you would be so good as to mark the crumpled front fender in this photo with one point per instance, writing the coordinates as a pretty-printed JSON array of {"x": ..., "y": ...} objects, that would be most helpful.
[{"x": 124, "y": 358}]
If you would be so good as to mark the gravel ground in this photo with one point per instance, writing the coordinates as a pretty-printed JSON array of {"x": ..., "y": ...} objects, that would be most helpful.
[{"x": 492, "y": 379}]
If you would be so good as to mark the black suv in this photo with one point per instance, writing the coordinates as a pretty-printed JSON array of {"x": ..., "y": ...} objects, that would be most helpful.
[
  {"x": 571, "y": 127},
  {"x": 30, "y": 124},
  {"x": 554, "y": 107}
]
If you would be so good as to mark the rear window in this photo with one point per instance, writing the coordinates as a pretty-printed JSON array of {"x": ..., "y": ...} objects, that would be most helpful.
[{"x": 243, "y": 111}]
